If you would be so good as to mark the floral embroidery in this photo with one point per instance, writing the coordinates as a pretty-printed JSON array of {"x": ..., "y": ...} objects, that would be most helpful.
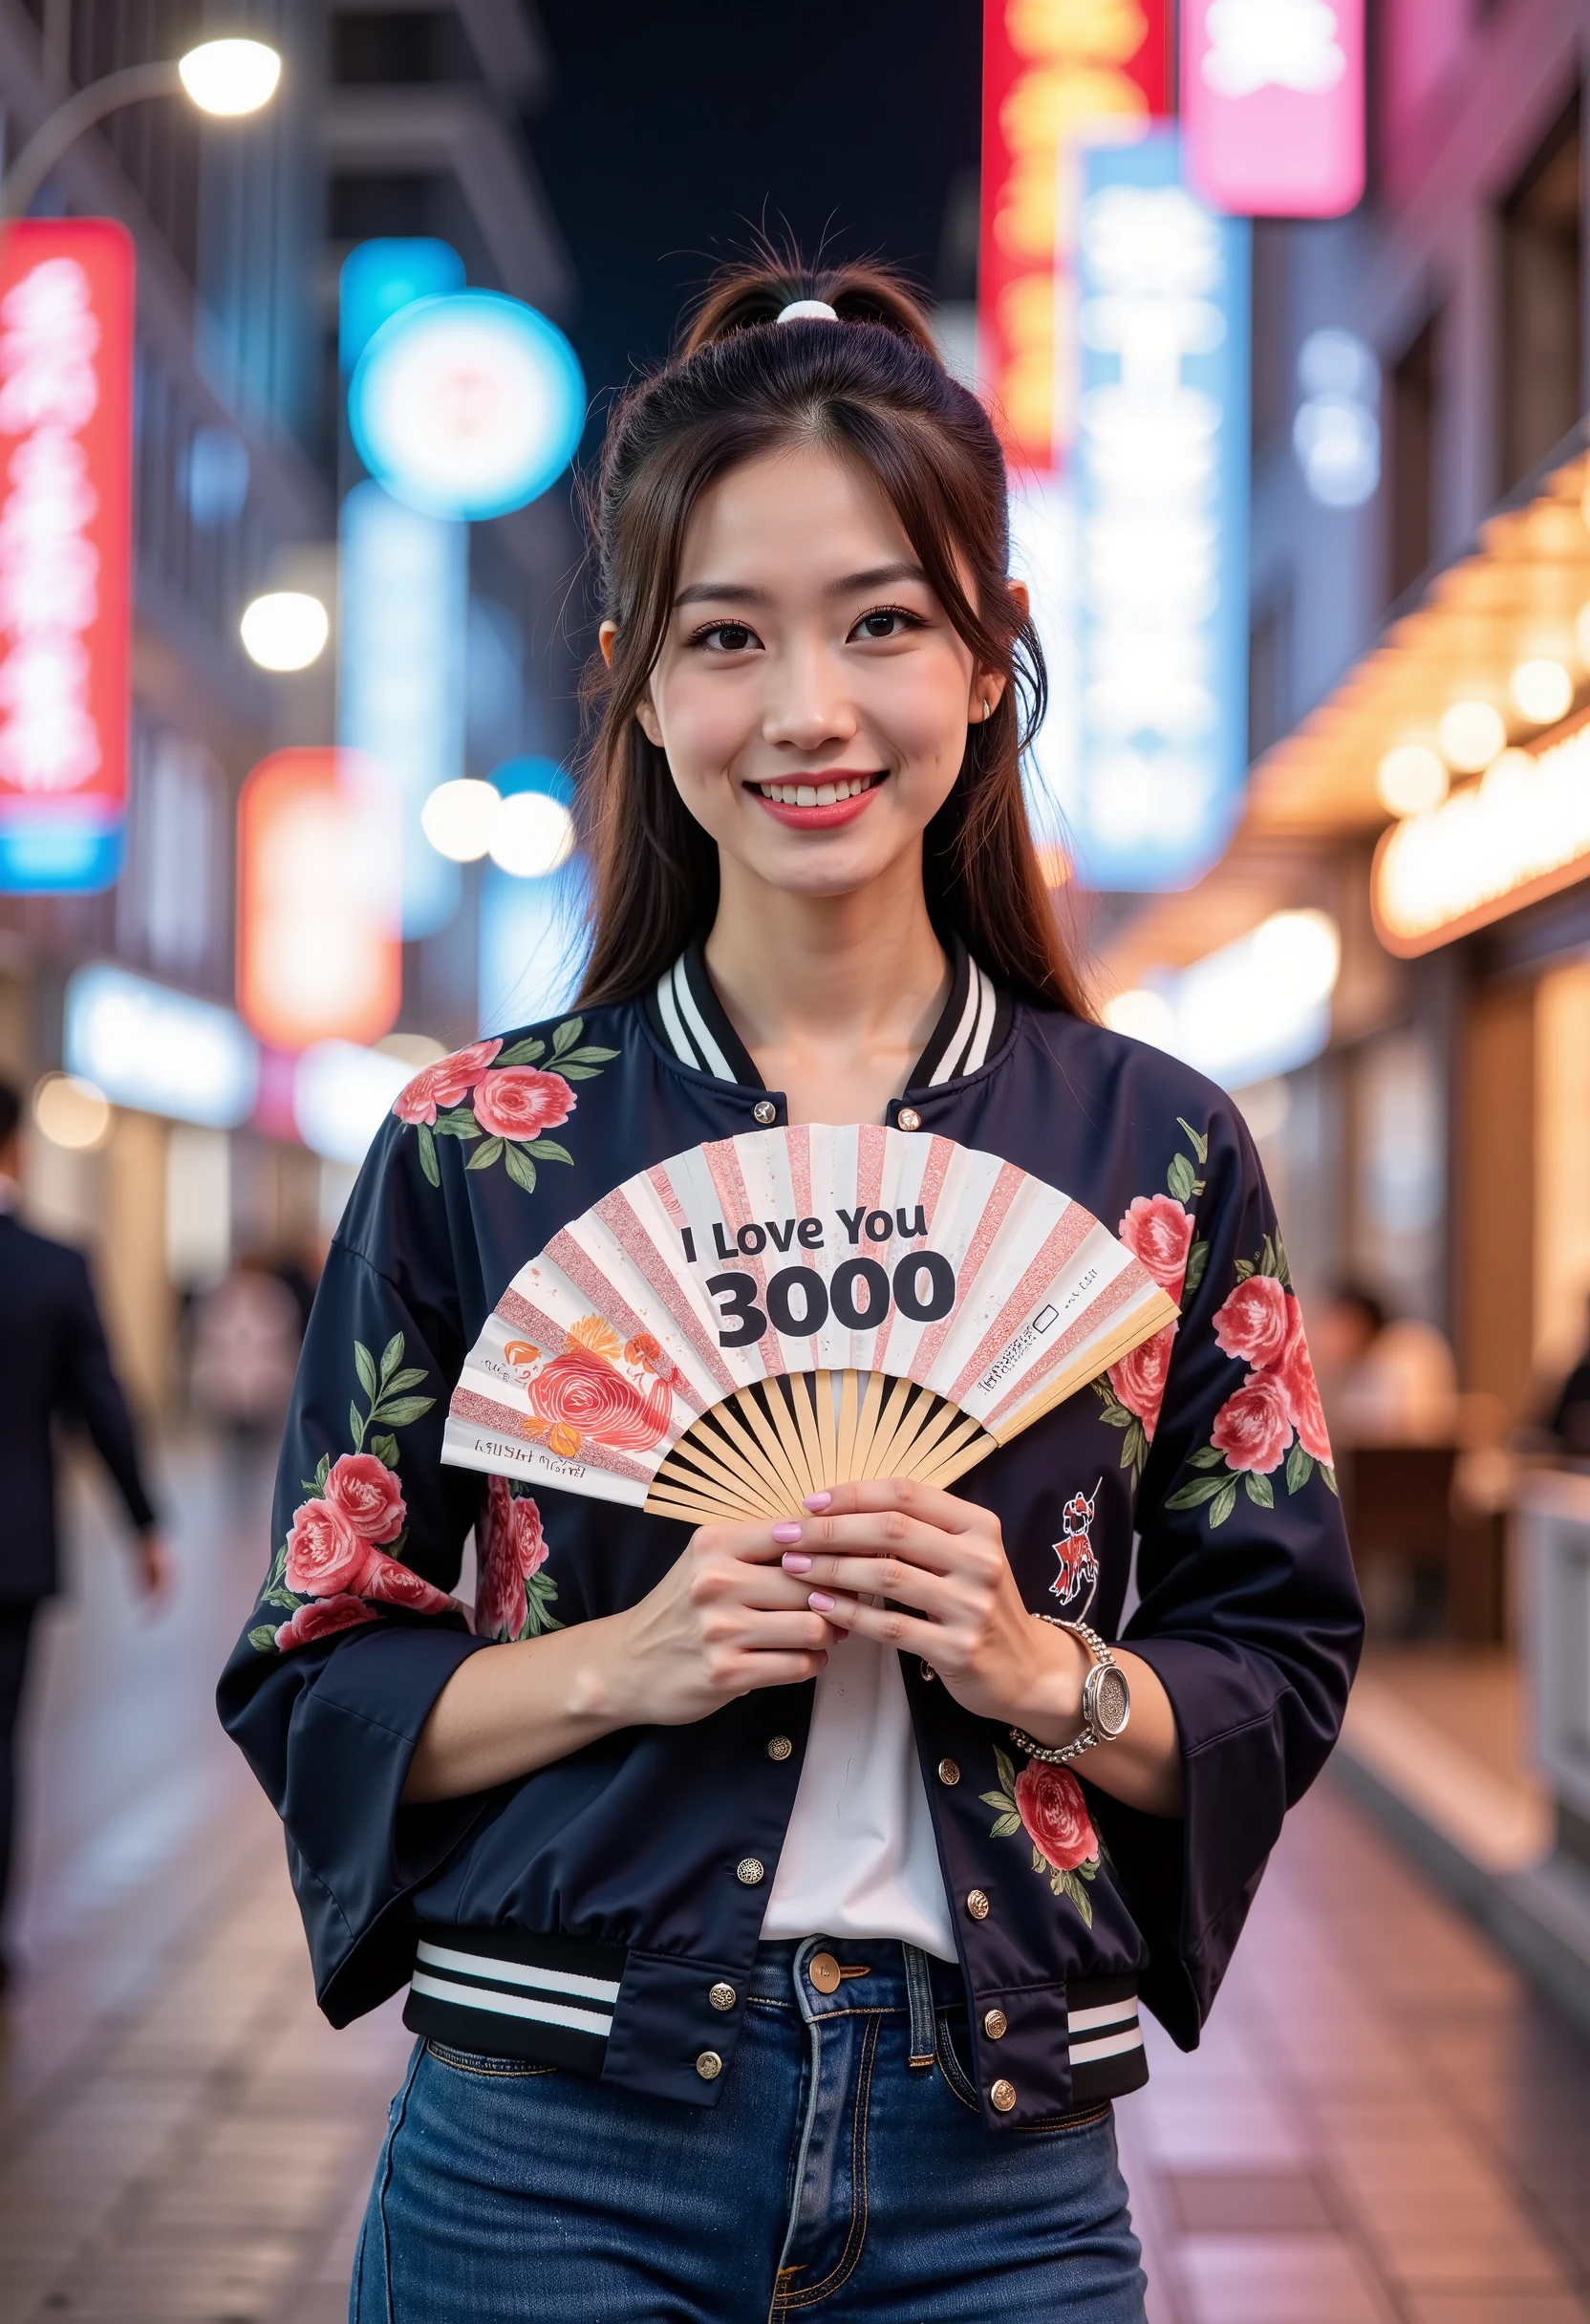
[
  {"x": 1047, "y": 1803},
  {"x": 512, "y": 1101},
  {"x": 1158, "y": 1231},
  {"x": 342, "y": 1554},
  {"x": 514, "y": 1598},
  {"x": 1261, "y": 1325},
  {"x": 583, "y": 1393}
]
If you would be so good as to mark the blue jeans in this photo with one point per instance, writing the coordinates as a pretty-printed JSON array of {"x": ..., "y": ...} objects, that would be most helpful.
[{"x": 834, "y": 2177}]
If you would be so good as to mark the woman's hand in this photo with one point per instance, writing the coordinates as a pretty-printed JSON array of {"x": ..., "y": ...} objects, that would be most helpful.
[
  {"x": 941, "y": 1564},
  {"x": 724, "y": 1621}
]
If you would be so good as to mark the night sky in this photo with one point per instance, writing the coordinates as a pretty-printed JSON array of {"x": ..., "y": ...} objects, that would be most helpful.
[{"x": 676, "y": 129}]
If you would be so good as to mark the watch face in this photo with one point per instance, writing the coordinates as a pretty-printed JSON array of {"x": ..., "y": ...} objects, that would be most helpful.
[{"x": 1107, "y": 1699}]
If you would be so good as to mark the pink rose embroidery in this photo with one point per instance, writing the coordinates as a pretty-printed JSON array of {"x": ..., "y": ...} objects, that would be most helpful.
[
  {"x": 319, "y": 1619},
  {"x": 519, "y": 1101},
  {"x": 529, "y": 1543},
  {"x": 500, "y": 1607},
  {"x": 1253, "y": 1428},
  {"x": 324, "y": 1554},
  {"x": 368, "y": 1496},
  {"x": 1158, "y": 1232},
  {"x": 1054, "y": 1814},
  {"x": 1296, "y": 1373},
  {"x": 394, "y": 1585},
  {"x": 443, "y": 1083},
  {"x": 1139, "y": 1378},
  {"x": 1252, "y": 1323}
]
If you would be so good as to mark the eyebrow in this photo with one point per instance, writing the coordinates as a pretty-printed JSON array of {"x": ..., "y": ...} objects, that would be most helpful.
[{"x": 740, "y": 593}]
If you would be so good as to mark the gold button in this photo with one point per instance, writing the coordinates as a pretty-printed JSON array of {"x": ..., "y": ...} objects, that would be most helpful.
[
  {"x": 765, "y": 1112},
  {"x": 1004, "y": 2096},
  {"x": 909, "y": 1118},
  {"x": 709, "y": 2066},
  {"x": 778, "y": 1747},
  {"x": 824, "y": 1972},
  {"x": 724, "y": 1997},
  {"x": 995, "y": 2023},
  {"x": 749, "y": 1870},
  {"x": 977, "y": 1905},
  {"x": 948, "y": 1772}
]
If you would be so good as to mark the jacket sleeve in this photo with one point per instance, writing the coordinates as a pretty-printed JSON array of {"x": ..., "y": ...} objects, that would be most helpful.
[
  {"x": 1248, "y": 1607},
  {"x": 355, "y": 1633},
  {"x": 92, "y": 1393}
]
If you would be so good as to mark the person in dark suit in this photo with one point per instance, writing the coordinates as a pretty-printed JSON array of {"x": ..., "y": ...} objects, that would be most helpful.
[{"x": 53, "y": 1361}]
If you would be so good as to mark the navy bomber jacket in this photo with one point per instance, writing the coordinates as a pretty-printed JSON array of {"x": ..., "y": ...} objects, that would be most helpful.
[{"x": 603, "y": 1912}]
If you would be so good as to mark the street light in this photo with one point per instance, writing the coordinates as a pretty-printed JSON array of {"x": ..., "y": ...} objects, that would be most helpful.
[{"x": 220, "y": 76}]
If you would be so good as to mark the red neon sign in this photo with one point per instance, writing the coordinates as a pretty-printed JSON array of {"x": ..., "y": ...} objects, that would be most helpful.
[
  {"x": 1052, "y": 78},
  {"x": 65, "y": 361},
  {"x": 1272, "y": 100},
  {"x": 319, "y": 956}
]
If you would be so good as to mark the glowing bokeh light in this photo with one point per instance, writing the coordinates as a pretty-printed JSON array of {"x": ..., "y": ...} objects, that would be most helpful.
[
  {"x": 285, "y": 630},
  {"x": 230, "y": 76},
  {"x": 1411, "y": 777},
  {"x": 460, "y": 818},
  {"x": 71, "y": 1111},
  {"x": 1542, "y": 691},
  {"x": 1470, "y": 732}
]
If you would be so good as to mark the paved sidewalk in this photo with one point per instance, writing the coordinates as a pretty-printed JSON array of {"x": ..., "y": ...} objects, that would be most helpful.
[{"x": 1384, "y": 2125}]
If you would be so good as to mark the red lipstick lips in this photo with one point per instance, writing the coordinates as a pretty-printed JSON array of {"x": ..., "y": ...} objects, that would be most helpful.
[{"x": 818, "y": 818}]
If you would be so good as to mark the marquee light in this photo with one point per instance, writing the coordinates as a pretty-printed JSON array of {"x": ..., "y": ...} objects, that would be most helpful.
[
  {"x": 285, "y": 630},
  {"x": 162, "y": 1051},
  {"x": 468, "y": 405},
  {"x": 1471, "y": 734},
  {"x": 318, "y": 949},
  {"x": 66, "y": 346},
  {"x": 1053, "y": 78},
  {"x": 1542, "y": 692},
  {"x": 1520, "y": 833},
  {"x": 1411, "y": 777},
  {"x": 1272, "y": 101},
  {"x": 1254, "y": 1008},
  {"x": 1162, "y": 524}
]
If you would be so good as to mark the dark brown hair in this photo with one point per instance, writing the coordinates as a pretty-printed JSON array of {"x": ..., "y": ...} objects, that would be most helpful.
[{"x": 873, "y": 388}]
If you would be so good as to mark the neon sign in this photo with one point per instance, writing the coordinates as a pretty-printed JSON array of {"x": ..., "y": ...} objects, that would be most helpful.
[
  {"x": 66, "y": 327},
  {"x": 1272, "y": 100}
]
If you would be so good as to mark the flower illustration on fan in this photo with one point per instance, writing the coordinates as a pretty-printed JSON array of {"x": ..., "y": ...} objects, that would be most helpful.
[{"x": 582, "y": 1393}]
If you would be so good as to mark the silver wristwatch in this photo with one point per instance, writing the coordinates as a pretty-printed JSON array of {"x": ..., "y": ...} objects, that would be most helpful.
[{"x": 1105, "y": 1701}]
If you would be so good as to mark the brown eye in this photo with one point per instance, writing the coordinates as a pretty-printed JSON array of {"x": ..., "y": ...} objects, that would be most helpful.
[
  {"x": 888, "y": 621},
  {"x": 728, "y": 637}
]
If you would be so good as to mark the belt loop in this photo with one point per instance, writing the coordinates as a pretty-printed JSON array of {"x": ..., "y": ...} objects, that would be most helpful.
[{"x": 919, "y": 1990}]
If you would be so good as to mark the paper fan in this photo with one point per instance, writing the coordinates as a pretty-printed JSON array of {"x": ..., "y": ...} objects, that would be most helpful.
[{"x": 796, "y": 1308}]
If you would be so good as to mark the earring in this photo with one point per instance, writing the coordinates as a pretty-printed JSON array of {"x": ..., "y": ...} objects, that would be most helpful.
[{"x": 987, "y": 708}]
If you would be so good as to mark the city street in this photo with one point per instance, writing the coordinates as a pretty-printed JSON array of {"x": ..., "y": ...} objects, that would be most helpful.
[{"x": 1384, "y": 2126}]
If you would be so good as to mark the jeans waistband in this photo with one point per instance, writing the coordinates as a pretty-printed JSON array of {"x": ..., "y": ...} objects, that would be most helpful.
[{"x": 885, "y": 1986}]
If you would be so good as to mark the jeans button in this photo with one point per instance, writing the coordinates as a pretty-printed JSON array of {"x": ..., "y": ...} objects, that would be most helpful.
[{"x": 824, "y": 1972}]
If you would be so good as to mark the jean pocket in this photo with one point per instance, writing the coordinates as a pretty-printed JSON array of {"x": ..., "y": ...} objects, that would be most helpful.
[{"x": 493, "y": 2069}]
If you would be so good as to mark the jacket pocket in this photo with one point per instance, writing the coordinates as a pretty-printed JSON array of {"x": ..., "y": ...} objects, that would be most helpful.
[{"x": 494, "y": 2069}]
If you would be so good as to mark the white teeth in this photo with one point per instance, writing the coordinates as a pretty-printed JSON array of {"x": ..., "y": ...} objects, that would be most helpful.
[
  {"x": 828, "y": 792},
  {"x": 805, "y": 794},
  {"x": 815, "y": 794}
]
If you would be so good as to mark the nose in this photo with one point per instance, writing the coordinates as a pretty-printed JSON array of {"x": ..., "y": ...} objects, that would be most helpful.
[{"x": 809, "y": 705}]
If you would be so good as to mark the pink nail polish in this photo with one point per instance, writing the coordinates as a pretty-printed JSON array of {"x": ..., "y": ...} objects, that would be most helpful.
[
  {"x": 795, "y": 1562},
  {"x": 821, "y": 1603},
  {"x": 815, "y": 1501},
  {"x": 787, "y": 1533}
]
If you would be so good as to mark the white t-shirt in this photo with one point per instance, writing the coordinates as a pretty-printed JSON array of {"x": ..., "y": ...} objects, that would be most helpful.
[{"x": 860, "y": 1859}]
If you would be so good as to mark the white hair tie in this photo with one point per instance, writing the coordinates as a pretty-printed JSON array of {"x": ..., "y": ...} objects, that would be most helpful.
[{"x": 807, "y": 311}]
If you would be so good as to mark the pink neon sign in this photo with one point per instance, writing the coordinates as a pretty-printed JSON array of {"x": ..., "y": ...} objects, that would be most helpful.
[{"x": 1272, "y": 101}]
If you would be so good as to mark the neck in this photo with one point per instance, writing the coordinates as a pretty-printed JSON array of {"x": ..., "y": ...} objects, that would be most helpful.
[{"x": 829, "y": 991}]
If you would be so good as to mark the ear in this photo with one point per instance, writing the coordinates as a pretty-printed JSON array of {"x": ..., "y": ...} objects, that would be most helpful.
[{"x": 607, "y": 638}]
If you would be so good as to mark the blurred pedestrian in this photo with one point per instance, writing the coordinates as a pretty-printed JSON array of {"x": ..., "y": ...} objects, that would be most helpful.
[
  {"x": 54, "y": 1364},
  {"x": 1383, "y": 1382},
  {"x": 246, "y": 1332}
]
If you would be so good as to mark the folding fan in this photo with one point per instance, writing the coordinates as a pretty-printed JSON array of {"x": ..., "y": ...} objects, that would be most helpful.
[{"x": 796, "y": 1308}]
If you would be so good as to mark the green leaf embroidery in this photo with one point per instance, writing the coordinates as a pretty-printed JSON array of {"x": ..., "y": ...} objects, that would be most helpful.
[
  {"x": 519, "y": 1166},
  {"x": 586, "y": 1056},
  {"x": 409, "y": 1377},
  {"x": 1299, "y": 1468},
  {"x": 1199, "y": 1146},
  {"x": 1006, "y": 1826},
  {"x": 1040, "y": 1861},
  {"x": 1244, "y": 1268},
  {"x": 1198, "y": 1259},
  {"x": 578, "y": 1073},
  {"x": 364, "y": 1364},
  {"x": 566, "y": 1035},
  {"x": 355, "y": 1426},
  {"x": 427, "y": 1154},
  {"x": 994, "y": 1799},
  {"x": 1261, "y": 1492},
  {"x": 1181, "y": 1178},
  {"x": 522, "y": 1053},
  {"x": 263, "y": 1638},
  {"x": 485, "y": 1155},
  {"x": 1072, "y": 1888},
  {"x": 386, "y": 1449},
  {"x": 406, "y": 1408},
  {"x": 279, "y": 1596},
  {"x": 392, "y": 1355},
  {"x": 1224, "y": 1502},
  {"x": 1267, "y": 1257},
  {"x": 1199, "y": 1489},
  {"x": 1208, "y": 1456},
  {"x": 547, "y": 1150},
  {"x": 461, "y": 1123},
  {"x": 1007, "y": 1770},
  {"x": 1329, "y": 1476},
  {"x": 1134, "y": 1447}
]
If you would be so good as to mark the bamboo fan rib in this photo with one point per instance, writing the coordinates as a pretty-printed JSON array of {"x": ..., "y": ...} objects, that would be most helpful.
[{"x": 756, "y": 1320}]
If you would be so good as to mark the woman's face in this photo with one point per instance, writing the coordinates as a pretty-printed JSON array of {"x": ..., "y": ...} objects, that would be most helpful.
[{"x": 810, "y": 695}]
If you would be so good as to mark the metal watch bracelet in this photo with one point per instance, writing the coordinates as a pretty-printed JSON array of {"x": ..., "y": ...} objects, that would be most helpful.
[{"x": 1094, "y": 1730}]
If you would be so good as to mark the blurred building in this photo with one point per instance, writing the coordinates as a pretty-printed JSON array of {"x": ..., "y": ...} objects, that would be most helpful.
[{"x": 390, "y": 121}]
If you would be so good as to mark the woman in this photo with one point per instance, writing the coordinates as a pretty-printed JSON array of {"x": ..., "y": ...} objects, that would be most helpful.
[{"x": 766, "y": 1952}]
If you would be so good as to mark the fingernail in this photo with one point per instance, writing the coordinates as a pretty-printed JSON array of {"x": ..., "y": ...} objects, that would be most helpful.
[
  {"x": 787, "y": 1533},
  {"x": 795, "y": 1562},
  {"x": 841, "y": 1635},
  {"x": 821, "y": 1603},
  {"x": 818, "y": 1500}
]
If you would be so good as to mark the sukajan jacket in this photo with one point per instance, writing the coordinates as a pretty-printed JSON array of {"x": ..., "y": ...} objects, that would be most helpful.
[{"x": 603, "y": 1912}]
